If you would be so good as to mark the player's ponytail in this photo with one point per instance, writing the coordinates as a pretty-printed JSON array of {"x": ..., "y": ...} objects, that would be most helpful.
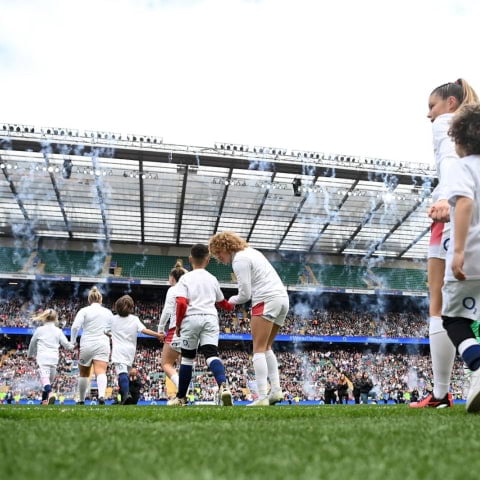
[
  {"x": 94, "y": 296},
  {"x": 177, "y": 271}
]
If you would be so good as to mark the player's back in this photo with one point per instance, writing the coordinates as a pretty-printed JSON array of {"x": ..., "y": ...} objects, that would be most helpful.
[
  {"x": 95, "y": 320},
  {"x": 202, "y": 291}
]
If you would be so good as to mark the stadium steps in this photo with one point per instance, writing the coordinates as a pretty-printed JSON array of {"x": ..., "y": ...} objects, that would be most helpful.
[{"x": 106, "y": 265}]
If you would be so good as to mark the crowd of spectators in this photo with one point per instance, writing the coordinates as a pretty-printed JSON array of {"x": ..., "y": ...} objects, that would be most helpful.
[
  {"x": 304, "y": 373},
  {"x": 329, "y": 322},
  {"x": 304, "y": 368}
]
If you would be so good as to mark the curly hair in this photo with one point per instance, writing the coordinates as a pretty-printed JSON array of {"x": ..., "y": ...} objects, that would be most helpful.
[
  {"x": 226, "y": 241},
  {"x": 124, "y": 306},
  {"x": 465, "y": 129}
]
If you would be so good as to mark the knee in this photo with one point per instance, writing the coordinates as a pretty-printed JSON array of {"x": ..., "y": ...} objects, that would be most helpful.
[
  {"x": 209, "y": 351},
  {"x": 458, "y": 329}
]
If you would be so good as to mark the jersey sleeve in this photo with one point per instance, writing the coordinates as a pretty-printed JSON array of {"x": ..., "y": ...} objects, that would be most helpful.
[
  {"x": 140, "y": 325},
  {"x": 32, "y": 346},
  {"x": 243, "y": 273},
  {"x": 167, "y": 310}
]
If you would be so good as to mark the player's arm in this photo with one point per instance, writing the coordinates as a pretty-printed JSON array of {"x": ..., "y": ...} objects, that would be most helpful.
[
  {"x": 65, "y": 343},
  {"x": 225, "y": 305},
  {"x": 32, "y": 346},
  {"x": 463, "y": 217},
  {"x": 76, "y": 326},
  {"x": 160, "y": 336},
  {"x": 243, "y": 273},
  {"x": 166, "y": 312}
]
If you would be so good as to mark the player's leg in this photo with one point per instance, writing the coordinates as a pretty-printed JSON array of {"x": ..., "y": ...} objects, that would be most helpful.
[
  {"x": 442, "y": 350},
  {"x": 209, "y": 347},
  {"x": 100, "y": 369},
  {"x": 83, "y": 381},
  {"x": 461, "y": 301},
  {"x": 184, "y": 377},
  {"x": 168, "y": 359},
  {"x": 44, "y": 373},
  {"x": 276, "y": 309},
  {"x": 261, "y": 333},
  {"x": 123, "y": 381},
  {"x": 189, "y": 342},
  {"x": 52, "y": 375}
]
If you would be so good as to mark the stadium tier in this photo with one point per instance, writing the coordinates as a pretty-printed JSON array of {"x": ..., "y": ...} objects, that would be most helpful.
[{"x": 158, "y": 267}]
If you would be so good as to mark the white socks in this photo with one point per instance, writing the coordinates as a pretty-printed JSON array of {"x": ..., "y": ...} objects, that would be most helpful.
[
  {"x": 102, "y": 384},
  {"x": 442, "y": 352},
  {"x": 273, "y": 374},
  {"x": 83, "y": 383},
  {"x": 261, "y": 373}
]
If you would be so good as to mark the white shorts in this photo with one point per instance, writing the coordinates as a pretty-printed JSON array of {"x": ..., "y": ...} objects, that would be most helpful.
[
  {"x": 47, "y": 374},
  {"x": 274, "y": 310},
  {"x": 175, "y": 343},
  {"x": 439, "y": 240},
  {"x": 461, "y": 299},
  {"x": 94, "y": 351},
  {"x": 198, "y": 330},
  {"x": 173, "y": 340},
  {"x": 121, "y": 368}
]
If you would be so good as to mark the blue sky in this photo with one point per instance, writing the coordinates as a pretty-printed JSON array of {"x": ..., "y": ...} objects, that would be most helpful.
[{"x": 337, "y": 77}]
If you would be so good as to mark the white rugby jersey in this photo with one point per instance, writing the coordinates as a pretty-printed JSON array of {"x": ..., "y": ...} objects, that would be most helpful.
[
  {"x": 465, "y": 183},
  {"x": 124, "y": 338},
  {"x": 169, "y": 311},
  {"x": 257, "y": 279},
  {"x": 45, "y": 343},
  {"x": 95, "y": 320},
  {"x": 445, "y": 154},
  {"x": 202, "y": 291}
]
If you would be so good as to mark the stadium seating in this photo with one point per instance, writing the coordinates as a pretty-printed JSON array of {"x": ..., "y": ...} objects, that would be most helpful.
[
  {"x": 13, "y": 259},
  {"x": 131, "y": 265},
  {"x": 71, "y": 262}
]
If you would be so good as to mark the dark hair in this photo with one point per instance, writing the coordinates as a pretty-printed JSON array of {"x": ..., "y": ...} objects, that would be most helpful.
[
  {"x": 124, "y": 306},
  {"x": 459, "y": 89},
  {"x": 465, "y": 129},
  {"x": 199, "y": 252},
  {"x": 177, "y": 271}
]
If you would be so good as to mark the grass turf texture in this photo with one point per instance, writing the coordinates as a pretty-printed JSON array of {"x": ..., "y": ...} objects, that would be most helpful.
[{"x": 207, "y": 442}]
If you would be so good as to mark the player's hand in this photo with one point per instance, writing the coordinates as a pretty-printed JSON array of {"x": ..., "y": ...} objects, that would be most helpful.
[
  {"x": 439, "y": 211},
  {"x": 161, "y": 337},
  {"x": 457, "y": 266}
]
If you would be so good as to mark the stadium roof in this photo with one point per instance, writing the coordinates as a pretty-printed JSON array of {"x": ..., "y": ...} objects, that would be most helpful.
[{"x": 97, "y": 186}]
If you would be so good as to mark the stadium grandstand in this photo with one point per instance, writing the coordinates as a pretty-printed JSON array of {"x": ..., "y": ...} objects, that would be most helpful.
[{"x": 347, "y": 235}]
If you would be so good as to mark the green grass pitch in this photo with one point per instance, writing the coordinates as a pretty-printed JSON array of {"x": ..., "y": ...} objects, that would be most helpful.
[{"x": 209, "y": 442}]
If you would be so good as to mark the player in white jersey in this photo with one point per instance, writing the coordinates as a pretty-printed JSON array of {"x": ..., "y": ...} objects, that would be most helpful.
[
  {"x": 171, "y": 347},
  {"x": 44, "y": 346},
  {"x": 95, "y": 323},
  {"x": 461, "y": 291},
  {"x": 259, "y": 282},
  {"x": 443, "y": 102},
  {"x": 198, "y": 293},
  {"x": 124, "y": 331}
]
